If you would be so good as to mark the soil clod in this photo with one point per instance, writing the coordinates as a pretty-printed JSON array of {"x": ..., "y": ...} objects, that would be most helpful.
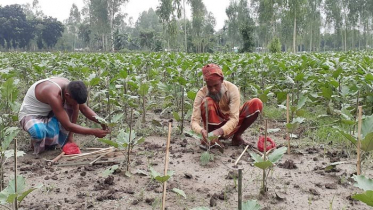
[
  {"x": 314, "y": 192},
  {"x": 288, "y": 164}
]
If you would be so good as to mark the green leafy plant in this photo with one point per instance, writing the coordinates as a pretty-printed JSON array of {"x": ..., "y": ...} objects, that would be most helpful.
[
  {"x": 367, "y": 185},
  {"x": 267, "y": 162},
  {"x": 16, "y": 192},
  {"x": 124, "y": 140},
  {"x": 6, "y": 137},
  {"x": 110, "y": 170},
  {"x": 275, "y": 45},
  {"x": 250, "y": 205},
  {"x": 366, "y": 134},
  {"x": 158, "y": 177}
]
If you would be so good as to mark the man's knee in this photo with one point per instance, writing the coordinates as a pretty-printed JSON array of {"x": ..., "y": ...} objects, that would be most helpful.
[
  {"x": 256, "y": 104},
  {"x": 37, "y": 131}
]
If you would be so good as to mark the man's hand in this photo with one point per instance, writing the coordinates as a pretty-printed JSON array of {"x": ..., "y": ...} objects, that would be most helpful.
[
  {"x": 217, "y": 133},
  {"x": 104, "y": 127},
  {"x": 100, "y": 133},
  {"x": 204, "y": 134}
]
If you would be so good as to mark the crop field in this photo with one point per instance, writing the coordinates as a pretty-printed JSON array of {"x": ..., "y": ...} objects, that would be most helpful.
[{"x": 137, "y": 94}]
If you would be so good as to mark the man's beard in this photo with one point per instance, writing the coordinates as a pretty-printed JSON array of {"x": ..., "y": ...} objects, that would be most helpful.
[{"x": 216, "y": 96}]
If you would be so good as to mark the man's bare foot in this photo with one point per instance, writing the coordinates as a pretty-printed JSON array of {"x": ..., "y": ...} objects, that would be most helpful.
[{"x": 237, "y": 141}]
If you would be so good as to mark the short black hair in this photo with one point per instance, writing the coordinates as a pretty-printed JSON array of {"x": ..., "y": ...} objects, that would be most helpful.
[{"x": 78, "y": 91}]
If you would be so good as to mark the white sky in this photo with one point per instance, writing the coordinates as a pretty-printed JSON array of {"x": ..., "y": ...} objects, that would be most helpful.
[{"x": 60, "y": 9}]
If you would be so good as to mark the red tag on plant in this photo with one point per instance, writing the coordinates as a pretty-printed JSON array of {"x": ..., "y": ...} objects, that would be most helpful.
[
  {"x": 270, "y": 144},
  {"x": 71, "y": 148}
]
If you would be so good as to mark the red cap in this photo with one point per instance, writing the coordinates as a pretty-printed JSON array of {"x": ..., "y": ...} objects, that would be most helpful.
[{"x": 212, "y": 72}]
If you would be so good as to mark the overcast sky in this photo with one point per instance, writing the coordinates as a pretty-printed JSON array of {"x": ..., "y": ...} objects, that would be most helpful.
[{"x": 60, "y": 9}]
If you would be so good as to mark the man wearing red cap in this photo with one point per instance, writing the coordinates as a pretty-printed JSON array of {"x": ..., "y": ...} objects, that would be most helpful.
[{"x": 225, "y": 117}]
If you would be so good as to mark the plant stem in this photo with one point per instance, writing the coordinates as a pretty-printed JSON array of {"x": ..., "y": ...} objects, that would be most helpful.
[
  {"x": 129, "y": 140},
  {"x": 287, "y": 122},
  {"x": 359, "y": 141},
  {"x": 182, "y": 110},
  {"x": 108, "y": 101},
  {"x": 166, "y": 163},
  {"x": 357, "y": 110},
  {"x": 240, "y": 189}
]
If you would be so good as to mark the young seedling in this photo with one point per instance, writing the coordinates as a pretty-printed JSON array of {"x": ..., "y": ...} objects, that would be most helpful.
[
  {"x": 367, "y": 185},
  {"x": 364, "y": 143},
  {"x": 124, "y": 140},
  {"x": 16, "y": 192},
  {"x": 265, "y": 163}
]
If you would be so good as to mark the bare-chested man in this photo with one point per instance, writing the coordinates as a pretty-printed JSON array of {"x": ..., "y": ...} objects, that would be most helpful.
[{"x": 50, "y": 110}]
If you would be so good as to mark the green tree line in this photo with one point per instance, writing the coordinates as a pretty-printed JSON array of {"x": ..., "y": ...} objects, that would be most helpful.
[{"x": 257, "y": 25}]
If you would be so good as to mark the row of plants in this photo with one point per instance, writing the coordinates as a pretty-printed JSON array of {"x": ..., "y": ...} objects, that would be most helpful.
[{"x": 124, "y": 86}]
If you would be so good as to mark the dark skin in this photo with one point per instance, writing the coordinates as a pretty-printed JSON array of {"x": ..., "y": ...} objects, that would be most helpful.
[
  {"x": 214, "y": 87},
  {"x": 49, "y": 93}
]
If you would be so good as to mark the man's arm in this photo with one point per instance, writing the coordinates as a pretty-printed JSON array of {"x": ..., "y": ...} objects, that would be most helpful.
[
  {"x": 196, "y": 115},
  {"x": 89, "y": 113},
  {"x": 74, "y": 119},
  {"x": 63, "y": 118}
]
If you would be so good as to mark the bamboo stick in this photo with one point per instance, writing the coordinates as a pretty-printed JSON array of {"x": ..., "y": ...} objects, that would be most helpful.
[
  {"x": 265, "y": 156},
  {"x": 240, "y": 189},
  {"x": 359, "y": 141},
  {"x": 91, "y": 153},
  {"x": 87, "y": 163},
  {"x": 99, "y": 157},
  {"x": 238, "y": 159},
  {"x": 15, "y": 174},
  {"x": 166, "y": 164},
  {"x": 287, "y": 122}
]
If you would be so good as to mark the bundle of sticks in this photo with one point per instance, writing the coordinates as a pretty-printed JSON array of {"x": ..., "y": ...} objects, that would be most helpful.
[{"x": 98, "y": 151}]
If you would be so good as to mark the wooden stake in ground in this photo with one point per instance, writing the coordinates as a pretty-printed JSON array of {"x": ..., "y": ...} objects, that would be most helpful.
[
  {"x": 359, "y": 141},
  {"x": 240, "y": 189},
  {"x": 166, "y": 163},
  {"x": 15, "y": 174},
  {"x": 287, "y": 122},
  {"x": 238, "y": 159},
  {"x": 264, "y": 187}
]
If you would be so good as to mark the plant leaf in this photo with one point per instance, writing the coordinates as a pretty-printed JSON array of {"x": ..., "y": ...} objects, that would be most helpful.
[
  {"x": 176, "y": 116},
  {"x": 257, "y": 158},
  {"x": 348, "y": 136},
  {"x": 250, "y": 205},
  {"x": 109, "y": 142},
  {"x": 110, "y": 170},
  {"x": 153, "y": 173},
  {"x": 179, "y": 192},
  {"x": 10, "y": 133},
  {"x": 116, "y": 118},
  {"x": 366, "y": 197},
  {"x": 200, "y": 208},
  {"x": 263, "y": 165},
  {"x": 162, "y": 179},
  {"x": 366, "y": 126},
  {"x": 367, "y": 142},
  {"x": 363, "y": 182},
  {"x": 191, "y": 95},
  {"x": 277, "y": 154},
  {"x": 25, "y": 193},
  {"x": 205, "y": 158}
]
